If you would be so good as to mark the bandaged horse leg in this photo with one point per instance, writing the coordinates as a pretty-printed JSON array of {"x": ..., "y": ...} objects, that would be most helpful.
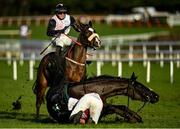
[{"x": 123, "y": 111}]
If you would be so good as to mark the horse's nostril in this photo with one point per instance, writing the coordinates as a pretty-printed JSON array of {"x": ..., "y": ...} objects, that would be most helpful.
[{"x": 157, "y": 97}]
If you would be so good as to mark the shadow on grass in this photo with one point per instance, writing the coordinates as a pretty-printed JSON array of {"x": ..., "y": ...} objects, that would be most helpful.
[{"x": 25, "y": 117}]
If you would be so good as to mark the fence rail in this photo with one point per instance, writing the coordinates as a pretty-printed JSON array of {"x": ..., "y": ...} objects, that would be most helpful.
[
  {"x": 145, "y": 52},
  {"x": 99, "y": 64}
]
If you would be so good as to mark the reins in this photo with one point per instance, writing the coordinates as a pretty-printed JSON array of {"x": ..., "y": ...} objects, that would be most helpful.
[
  {"x": 127, "y": 92},
  {"x": 76, "y": 42},
  {"x": 133, "y": 96},
  {"x": 141, "y": 107}
]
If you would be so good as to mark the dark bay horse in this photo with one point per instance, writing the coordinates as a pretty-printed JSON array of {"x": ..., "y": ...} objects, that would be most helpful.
[
  {"x": 105, "y": 86},
  {"x": 72, "y": 67}
]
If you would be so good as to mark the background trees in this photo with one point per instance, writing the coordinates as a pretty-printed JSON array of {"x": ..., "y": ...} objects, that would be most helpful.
[{"x": 45, "y": 7}]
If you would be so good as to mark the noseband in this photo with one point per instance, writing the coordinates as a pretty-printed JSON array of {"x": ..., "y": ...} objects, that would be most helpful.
[{"x": 93, "y": 35}]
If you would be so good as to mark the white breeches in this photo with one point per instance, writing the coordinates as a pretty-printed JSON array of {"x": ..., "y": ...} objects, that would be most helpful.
[
  {"x": 91, "y": 101},
  {"x": 63, "y": 40}
]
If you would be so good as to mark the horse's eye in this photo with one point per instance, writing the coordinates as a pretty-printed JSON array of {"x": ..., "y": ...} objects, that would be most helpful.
[{"x": 133, "y": 83}]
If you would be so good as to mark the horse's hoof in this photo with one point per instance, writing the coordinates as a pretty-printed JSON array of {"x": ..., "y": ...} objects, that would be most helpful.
[
  {"x": 138, "y": 118},
  {"x": 133, "y": 118}
]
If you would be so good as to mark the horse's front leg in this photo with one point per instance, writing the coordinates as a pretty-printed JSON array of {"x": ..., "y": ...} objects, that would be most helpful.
[{"x": 123, "y": 111}]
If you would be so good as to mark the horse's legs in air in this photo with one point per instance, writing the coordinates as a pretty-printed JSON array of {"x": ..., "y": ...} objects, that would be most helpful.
[
  {"x": 41, "y": 88},
  {"x": 123, "y": 111}
]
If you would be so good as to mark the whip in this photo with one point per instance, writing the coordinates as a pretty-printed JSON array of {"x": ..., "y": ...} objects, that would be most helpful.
[{"x": 49, "y": 44}]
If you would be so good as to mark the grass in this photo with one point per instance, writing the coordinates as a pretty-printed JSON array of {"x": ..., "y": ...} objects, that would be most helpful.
[{"x": 164, "y": 114}]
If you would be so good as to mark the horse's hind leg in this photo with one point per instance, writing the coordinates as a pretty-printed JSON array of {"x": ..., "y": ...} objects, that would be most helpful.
[
  {"x": 41, "y": 88},
  {"x": 123, "y": 111}
]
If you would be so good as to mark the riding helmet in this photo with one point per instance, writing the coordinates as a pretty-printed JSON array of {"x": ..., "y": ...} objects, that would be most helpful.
[{"x": 60, "y": 8}]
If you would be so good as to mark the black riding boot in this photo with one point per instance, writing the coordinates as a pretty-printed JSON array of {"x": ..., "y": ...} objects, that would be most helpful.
[
  {"x": 58, "y": 50},
  {"x": 60, "y": 64},
  {"x": 59, "y": 54}
]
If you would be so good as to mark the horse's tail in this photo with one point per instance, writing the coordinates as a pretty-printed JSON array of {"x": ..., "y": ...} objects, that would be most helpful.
[{"x": 34, "y": 87}]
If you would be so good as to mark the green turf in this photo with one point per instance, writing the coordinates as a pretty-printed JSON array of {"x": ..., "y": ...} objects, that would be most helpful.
[{"x": 164, "y": 114}]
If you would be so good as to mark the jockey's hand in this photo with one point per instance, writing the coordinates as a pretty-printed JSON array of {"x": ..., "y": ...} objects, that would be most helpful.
[
  {"x": 63, "y": 30},
  {"x": 65, "y": 27},
  {"x": 54, "y": 43}
]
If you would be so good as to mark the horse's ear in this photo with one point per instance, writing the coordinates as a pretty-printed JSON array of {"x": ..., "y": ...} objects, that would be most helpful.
[
  {"x": 90, "y": 23},
  {"x": 77, "y": 26},
  {"x": 82, "y": 26},
  {"x": 133, "y": 77}
]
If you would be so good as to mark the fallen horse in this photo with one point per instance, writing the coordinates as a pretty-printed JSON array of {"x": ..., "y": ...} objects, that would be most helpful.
[{"x": 105, "y": 86}]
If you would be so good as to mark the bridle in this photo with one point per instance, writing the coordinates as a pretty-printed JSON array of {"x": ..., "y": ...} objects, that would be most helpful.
[
  {"x": 92, "y": 36},
  {"x": 130, "y": 83}
]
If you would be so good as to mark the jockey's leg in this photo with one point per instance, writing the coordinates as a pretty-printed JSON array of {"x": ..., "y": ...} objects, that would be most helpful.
[
  {"x": 58, "y": 50},
  {"x": 95, "y": 109},
  {"x": 92, "y": 102}
]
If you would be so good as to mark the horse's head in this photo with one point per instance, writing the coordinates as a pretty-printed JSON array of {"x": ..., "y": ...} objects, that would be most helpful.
[
  {"x": 88, "y": 35},
  {"x": 138, "y": 91}
]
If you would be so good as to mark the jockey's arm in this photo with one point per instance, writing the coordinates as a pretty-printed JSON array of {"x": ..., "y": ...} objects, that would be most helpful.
[
  {"x": 74, "y": 24},
  {"x": 51, "y": 28}
]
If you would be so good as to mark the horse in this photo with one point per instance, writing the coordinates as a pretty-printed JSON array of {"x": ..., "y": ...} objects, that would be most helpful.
[
  {"x": 105, "y": 86},
  {"x": 72, "y": 68}
]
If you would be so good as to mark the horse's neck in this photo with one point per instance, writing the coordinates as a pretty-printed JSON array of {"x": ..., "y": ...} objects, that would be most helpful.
[
  {"x": 116, "y": 88},
  {"x": 106, "y": 88},
  {"x": 79, "y": 52}
]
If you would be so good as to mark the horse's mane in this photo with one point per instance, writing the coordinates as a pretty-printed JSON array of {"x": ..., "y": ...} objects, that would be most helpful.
[{"x": 101, "y": 78}]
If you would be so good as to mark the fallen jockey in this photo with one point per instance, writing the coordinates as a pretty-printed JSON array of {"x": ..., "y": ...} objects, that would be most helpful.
[{"x": 87, "y": 109}]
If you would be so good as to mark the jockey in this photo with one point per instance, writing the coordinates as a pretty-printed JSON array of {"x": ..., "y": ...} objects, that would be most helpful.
[
  {"x": 87, "y": 109},
  {"x": 60, "y": 24}
]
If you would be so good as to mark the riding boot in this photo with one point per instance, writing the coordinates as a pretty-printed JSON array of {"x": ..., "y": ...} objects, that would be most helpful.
[
  {"x": 59, "y": 54},
  {"x": 88, "y": 62},
  {"x": 58, "y": 51},
  {"x": 59, "y": 65}
]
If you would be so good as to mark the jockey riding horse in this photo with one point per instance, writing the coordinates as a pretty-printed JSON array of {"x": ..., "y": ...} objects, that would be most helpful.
[{"x": 70, "y": 67}]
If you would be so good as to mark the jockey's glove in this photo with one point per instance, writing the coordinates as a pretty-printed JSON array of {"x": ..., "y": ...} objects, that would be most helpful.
[
  {"x": 54, "y": 43},
  {"x": 63, "y": 30}
]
